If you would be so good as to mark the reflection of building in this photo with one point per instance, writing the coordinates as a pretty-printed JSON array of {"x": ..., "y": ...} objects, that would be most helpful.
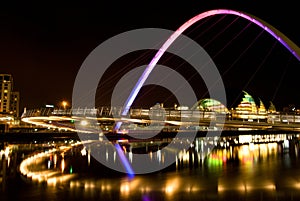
[{"x": 9, "y": 100}]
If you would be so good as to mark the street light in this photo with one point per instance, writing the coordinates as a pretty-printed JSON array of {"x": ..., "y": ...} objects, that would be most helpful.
[{"x": 64, "y": 104}]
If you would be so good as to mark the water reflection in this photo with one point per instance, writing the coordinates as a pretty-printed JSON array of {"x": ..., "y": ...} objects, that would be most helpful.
[{"x": 205, "y": 171}]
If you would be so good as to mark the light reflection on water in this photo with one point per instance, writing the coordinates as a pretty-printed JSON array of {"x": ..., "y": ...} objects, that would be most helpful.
[{"x": 253, "y": 171}]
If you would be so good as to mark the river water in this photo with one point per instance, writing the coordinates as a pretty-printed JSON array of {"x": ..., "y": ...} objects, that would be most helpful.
[{"x": 249, "y": 171}]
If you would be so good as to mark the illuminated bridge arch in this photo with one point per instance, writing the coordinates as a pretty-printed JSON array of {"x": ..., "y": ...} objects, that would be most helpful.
[{"x": 285, "y": 41}]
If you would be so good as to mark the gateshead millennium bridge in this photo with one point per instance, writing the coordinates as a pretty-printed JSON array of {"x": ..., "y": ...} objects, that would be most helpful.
[{"x": 212, "y": 115}]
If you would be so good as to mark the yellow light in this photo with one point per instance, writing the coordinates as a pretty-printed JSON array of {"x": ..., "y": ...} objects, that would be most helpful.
[
  {"x": 63, "y": 165},
  {"x": 64, "y": 104}
]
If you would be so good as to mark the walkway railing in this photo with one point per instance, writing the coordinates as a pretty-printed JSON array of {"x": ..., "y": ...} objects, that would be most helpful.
[
  {"x": 170, "y": 114},
  {"x": 136, "y": 113}
]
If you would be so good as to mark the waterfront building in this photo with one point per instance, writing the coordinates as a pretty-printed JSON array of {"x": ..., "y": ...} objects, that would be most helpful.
[
  {"x": 9, "y": 101},
  {"x": 15, "y": 103},
  {"x": 209, "y": 104},
  {"x": 248, "y": 110}
]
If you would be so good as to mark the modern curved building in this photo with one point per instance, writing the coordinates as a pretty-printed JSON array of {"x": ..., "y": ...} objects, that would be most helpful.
[
  {"x": 212, "y": 105},
  {"x": 248, "y": 110}
]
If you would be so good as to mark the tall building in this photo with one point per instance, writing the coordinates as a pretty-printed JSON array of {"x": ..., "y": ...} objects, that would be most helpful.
[
  {"x": 14, "y": 103},
  {"x": 9, "y": 99}
]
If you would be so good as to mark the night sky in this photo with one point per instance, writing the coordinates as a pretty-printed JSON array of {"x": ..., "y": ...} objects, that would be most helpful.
[{"x": 44, "y": 44}]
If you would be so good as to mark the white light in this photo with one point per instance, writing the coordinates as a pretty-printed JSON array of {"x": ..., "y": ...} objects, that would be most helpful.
[
  {"x": 6, "y": 152},
  {"x": 83, "y": 152},
  {"x": 83, "y": 123}
]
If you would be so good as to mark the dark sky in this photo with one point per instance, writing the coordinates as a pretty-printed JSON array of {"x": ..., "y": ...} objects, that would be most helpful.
[{"x": 44, "y": 44}]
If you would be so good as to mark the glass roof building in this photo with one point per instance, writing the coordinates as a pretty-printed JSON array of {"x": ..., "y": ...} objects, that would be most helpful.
[{"x": 212, "y": 105}]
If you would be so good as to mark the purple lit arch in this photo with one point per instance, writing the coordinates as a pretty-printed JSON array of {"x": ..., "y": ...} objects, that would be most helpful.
[{"x": 292, "y": 47}]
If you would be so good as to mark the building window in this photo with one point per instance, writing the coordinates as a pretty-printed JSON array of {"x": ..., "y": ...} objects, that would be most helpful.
[{"x": 6, "y": 78}]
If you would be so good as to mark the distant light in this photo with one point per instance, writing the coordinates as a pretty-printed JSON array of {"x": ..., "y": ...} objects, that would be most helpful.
[
  {"x": 50, "y": 106},
  {"x": 6, "y": 152},
  {"x": 64, "y": 104},
  {"x": 83, "y": 152},
  {"x": 83, "y": 123}
]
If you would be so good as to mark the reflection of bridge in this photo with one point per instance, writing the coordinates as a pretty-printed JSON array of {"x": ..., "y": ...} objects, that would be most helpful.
[{"x": 90, "y": 120}]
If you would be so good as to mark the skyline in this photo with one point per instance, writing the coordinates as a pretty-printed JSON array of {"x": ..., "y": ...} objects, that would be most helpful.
[{"x": 44, "y": 47}]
